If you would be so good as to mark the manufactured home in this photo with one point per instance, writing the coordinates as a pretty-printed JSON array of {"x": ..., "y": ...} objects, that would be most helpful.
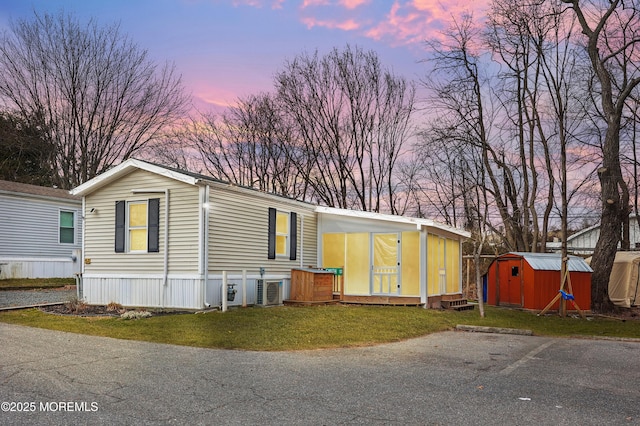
[
  {"x": 160, "y": 237},
  {"x": 40, "y": 232}
]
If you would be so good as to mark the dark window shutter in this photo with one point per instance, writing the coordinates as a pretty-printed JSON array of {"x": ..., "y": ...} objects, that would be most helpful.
[
  {"x": 153, "y": 223},
  {"x": 293, "y": 236},
  {"x": 271, "y": 248},
  {"x": 120, "y": 228}
]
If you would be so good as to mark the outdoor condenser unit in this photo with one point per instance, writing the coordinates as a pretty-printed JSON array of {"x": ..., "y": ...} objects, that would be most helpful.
[{"x": 269, "y": 293}]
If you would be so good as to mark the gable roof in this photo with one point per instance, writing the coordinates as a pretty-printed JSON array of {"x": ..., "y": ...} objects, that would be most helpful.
[
  {"x": 124, "y": 169},
  {"x": 18, "y": 188},
  {"x": 191, "y": 178}
]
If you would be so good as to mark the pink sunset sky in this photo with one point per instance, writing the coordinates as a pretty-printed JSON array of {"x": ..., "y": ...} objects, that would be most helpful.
[{"x": 227, "y": 49}]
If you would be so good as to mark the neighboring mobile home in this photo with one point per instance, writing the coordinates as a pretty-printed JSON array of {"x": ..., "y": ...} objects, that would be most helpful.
[
  {"x": 40, "y": 232},
  {"x": 161, "y": 237},
  {"x": 532, "y": 280}
]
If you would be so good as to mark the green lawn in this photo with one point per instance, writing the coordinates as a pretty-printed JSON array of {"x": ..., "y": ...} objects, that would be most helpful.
[
  {"x": 28, "y": 283},
  {"x": 295, "y": 328}
]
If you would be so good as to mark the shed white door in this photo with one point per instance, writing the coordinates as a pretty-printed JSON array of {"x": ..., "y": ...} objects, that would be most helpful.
[{"x": 385, "y": 264}]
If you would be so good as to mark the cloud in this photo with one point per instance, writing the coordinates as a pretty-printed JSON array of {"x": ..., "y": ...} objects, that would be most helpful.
[
  {"x": 314, "y": 3},
  {"x": 347, "y": 4},
  {"x": 410, "y": 22},
  {"x": 274, "y": 4},
  {"x": 353, "y": 4},
  {"x": 347, "y": 25},
  {"x": 401, "y": 22}
]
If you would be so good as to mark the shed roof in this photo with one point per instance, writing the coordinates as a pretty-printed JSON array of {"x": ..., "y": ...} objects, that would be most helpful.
[
  {"x": 553, "y": 262},
  {"x": 414, "y": 221}
]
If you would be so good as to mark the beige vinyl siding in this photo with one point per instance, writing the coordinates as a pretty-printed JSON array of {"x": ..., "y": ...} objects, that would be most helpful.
[
  {"x": 238, "y": 229},
  {"x": 183, "y": 226}
]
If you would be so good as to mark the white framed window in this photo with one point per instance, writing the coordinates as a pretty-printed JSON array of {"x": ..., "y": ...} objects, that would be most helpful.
[
  {"x": 282, "y": 233},
  {"x": 137, "y": 226},
  {"x": 137, "y": 229},
  {"x": 66, "y": 227}
]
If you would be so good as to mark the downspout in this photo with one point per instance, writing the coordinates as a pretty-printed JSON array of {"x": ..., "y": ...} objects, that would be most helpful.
[
  {"x": 79, "y": 281},
  {"x": 301, "y": 241},
  {"x": 424, "y": 266},
  {"x": 205, "y": 244},
  {"x": 166, "y": 241}
]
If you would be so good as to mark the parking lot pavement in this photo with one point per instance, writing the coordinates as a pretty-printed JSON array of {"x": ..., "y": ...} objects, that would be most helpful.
[{"x": 452, "y": 378}]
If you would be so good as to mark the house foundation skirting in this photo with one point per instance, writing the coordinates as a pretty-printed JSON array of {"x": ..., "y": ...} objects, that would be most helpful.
[
  {"x": 382, "y": 300},
  {"x": 181, "y": 292},
  {"x": 143, "y": 291}
]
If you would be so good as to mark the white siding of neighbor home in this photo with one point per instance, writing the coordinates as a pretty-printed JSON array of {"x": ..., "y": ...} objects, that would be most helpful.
[
  {"x": 99, "y": 251},
  {"x": 29, "y": 237},
  {"x": 238, "y": 230},
  {"x": 29, "y": 226}
]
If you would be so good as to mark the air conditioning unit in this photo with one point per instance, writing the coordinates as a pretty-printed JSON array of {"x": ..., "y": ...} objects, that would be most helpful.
[{"x": 269, "y": 293}]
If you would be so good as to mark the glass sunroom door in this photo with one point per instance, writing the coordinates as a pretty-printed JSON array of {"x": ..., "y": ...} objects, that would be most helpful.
[{"x": 385, "y": 264}]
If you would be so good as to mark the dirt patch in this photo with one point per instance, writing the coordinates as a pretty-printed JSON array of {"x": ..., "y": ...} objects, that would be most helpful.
[
  {"x": 83, "y": 310},
  {"x": 623, "y": 314}
]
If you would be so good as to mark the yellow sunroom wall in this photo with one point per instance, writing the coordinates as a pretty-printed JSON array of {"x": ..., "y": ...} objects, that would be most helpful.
[
  {"x": 356, "y": 268},
  {"x": 453, "y": 266},
  {"x": 443, "y": 253},
  {"x": 410, "y": 264},
  {"x": 333, "y": 246},
  {"x": 433, "y": 264},
  {"x": 351, "y": 252}
]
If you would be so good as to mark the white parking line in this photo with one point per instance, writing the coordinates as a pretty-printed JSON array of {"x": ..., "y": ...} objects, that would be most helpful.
[{"x": 530, "y": 355}]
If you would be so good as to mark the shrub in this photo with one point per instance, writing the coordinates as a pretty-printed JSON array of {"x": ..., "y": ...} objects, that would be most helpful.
[
  {"x": 135, "y": 315},
  {"x": 76, "y": 306},
  {"x": 115, "y": 307}
]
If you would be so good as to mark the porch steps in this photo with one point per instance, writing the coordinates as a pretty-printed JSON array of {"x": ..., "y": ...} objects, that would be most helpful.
[{"x": 457, "y": 305}]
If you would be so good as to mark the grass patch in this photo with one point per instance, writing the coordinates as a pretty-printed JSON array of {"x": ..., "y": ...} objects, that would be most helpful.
[
  {"x": 33, "y": 283},
  {"x": 296, "y": 328}
]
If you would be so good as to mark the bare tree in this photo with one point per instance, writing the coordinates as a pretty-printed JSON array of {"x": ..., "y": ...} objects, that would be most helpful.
[
  {"x": 98, "y": 97},
  {"x": 611, "y": 31},
  {"x": 351, "y": 119},
  {"x": 467, "y": 116},
  {"x": 250, "y": 145}
]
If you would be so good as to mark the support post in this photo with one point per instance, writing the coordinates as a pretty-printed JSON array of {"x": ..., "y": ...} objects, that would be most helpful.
[
  {"x": 223, "y": 291},
  {"x": 244, "y": 288}
]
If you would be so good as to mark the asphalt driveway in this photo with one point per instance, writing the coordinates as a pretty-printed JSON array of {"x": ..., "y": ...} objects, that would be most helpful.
[{"x": 452, "y": 378}]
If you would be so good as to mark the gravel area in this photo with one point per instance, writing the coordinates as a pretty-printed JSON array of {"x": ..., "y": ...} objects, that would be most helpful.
[{"x": 13, "y": 298}]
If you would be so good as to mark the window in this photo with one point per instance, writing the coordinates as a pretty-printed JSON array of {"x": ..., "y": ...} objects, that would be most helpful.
[
  {"x": 67, "y": 228},
  {"x": 283, "y": 228},
  {"x": 137, "y": 226},
  {"x": 282, "y": 233}
]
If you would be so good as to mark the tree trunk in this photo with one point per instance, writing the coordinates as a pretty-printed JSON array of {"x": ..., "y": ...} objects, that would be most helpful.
[{"x": 613, "y": 208}]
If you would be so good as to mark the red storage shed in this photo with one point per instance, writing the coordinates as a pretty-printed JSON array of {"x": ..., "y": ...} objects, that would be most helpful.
[{"x": 532, "y": 280}]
